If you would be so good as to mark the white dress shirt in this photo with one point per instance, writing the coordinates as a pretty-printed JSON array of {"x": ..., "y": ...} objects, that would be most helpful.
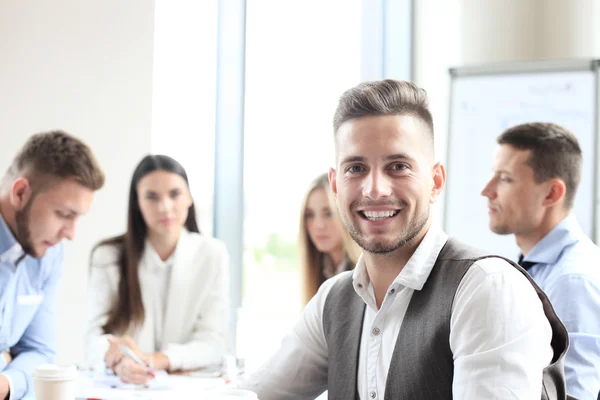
[
  {"x": 156, "y": 275},
  {"x": 499, "y": 335},
  {"x": 184, "y": 297}
]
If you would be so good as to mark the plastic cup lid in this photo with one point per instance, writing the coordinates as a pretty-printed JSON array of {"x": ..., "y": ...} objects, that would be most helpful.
[{"x": 51, "y": 372}]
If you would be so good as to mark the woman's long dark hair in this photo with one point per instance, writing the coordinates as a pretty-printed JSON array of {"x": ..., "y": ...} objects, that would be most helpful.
[{"x": 127, "y": 309}]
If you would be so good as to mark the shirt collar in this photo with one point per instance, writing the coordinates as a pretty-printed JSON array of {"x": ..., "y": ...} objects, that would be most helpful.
[
  {"x": 550, "y": 247},
  {"x": 152, "y": 260},
  {"x": 417, "y": 269},
  {"x": 10, "y": 248}
]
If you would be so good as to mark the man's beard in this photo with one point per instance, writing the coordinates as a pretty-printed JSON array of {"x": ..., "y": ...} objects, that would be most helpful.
[
  {"x": 407, "y": 234},
  {"x": 23, "y": 233}
]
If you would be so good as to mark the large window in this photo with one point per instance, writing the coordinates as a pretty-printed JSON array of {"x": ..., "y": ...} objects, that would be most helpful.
[
  {"x": 300, "y": 56},
  {"x": 183, "y": 94}
]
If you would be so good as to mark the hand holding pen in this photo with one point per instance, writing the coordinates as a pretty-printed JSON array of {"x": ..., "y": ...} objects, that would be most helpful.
[
  {"x": 129, "y": 353},
  {"x": 129, "y": 369}
]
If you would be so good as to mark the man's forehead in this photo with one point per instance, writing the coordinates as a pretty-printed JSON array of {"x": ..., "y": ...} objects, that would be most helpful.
[
  {"x": 511, "y": 155},
  {"x": 397, "y": 134},
  {"x": 68, "y": 195}
]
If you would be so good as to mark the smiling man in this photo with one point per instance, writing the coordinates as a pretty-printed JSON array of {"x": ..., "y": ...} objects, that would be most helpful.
[
  {"x": 537, "y": 169},
  {"x": 49, "y": 185},
  {"x": 421, "y": 316}
]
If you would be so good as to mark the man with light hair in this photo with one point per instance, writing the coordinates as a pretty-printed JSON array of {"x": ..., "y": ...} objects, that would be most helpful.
[{"x": 49, "y": 185}]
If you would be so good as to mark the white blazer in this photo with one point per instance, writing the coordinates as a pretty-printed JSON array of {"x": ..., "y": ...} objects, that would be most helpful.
[{"x": 194, "y": 333}]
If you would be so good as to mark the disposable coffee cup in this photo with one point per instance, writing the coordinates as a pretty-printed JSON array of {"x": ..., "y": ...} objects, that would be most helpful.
[{"x": 55, "y": 382}]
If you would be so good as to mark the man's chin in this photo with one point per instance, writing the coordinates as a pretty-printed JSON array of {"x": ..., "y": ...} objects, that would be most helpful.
[
  {"x": 500, "y": 230},
  {"x": 379, "y": 246},
  {"x": 37, "y": 253}
]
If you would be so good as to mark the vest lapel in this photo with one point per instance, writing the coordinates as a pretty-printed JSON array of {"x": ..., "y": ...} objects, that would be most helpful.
[{"x": 343, "y": 338}]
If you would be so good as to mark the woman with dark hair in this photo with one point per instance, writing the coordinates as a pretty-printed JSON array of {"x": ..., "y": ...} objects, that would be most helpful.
[{"x": 160, "y": 288}]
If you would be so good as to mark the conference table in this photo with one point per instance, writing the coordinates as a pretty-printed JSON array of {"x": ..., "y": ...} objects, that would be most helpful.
[{"x": 174, "y": 386}]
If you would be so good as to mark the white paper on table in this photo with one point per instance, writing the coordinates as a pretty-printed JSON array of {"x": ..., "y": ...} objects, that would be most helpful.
[{"x": 101, "y": 380}]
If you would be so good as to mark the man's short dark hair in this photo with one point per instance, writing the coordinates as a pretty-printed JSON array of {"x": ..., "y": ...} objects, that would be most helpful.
[
  {"x": 385, "y": 97},
  {"x": 555, "y": 153}
]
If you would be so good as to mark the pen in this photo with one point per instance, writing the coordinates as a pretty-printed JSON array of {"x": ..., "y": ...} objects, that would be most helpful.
[{"x": 129, "y": 353}]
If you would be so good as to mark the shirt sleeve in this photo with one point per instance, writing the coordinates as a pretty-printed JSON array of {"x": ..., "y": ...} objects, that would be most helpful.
[
  {"x": 38, "y": 344},
  {"x": 576, "y": 300},
  {"x": 500, "y": 336},
  {"x": 208, "y": 343},
  {"x": 298, "y": 370}
]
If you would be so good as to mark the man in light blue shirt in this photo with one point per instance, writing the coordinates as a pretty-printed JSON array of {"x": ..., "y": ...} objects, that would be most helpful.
[
  {"x": 50, "y": 183},
  {"x": 537, "y": 169}
]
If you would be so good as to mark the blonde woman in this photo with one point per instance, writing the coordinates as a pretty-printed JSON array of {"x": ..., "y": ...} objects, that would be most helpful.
[{"x": 325, "y": 248}]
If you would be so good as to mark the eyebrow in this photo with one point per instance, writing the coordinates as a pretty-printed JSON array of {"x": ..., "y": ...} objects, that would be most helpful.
[
  {"x": 68, "y": 210},
  {"x": 391, "y": 157}
]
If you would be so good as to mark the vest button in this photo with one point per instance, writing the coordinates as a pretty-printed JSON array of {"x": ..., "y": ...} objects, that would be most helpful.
[
  {"x": 360, "y": 285},
  {"x": 372, "y": 394},
  {"x": 376, "y": 332},
  {"x": 392, "y": 291}
]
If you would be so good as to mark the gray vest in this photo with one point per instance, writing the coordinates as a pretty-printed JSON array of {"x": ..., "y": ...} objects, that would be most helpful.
[{"x": 422, "y": 365}]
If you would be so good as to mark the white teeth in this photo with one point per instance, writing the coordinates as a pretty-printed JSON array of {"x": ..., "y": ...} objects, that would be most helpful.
[{"x": 377, "y": 215}]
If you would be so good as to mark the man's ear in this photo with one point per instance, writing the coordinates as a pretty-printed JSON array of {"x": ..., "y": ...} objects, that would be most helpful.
[
  {"x": 20, "y": 192},
  {"x": 332, "y": 182},
  {"x": 439, "y": 180},
  {"x": 557, "y": 191}
]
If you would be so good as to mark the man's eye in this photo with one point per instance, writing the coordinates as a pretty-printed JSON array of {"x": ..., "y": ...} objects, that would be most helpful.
[
  {"x": 64, "y": 215},
  {"x": 399, "y": 167},
  {"x": 354, "y": 168}
]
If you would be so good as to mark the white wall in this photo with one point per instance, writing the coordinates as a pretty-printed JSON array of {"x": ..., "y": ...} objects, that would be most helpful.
[
  {"x": 86, "y": 67},
  {"x": 474, "y": 32},
  {"x": 466, "y": 32}
]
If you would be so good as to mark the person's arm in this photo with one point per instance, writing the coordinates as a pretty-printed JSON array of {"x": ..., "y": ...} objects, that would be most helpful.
[
  {"x": 500, "y": 336},
  {"x": 298, "y": 370},
  {"x": 100, "y": 296},
  {"x": 208, "y": 342},
  {"x": 576, "y": 300},
  {"x": 38, "y": 344}
]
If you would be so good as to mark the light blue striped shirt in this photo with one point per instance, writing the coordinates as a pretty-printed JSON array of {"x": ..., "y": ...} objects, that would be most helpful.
[
  {"x": 27, "y": 314},
  {"x": 568, "y": 270}
]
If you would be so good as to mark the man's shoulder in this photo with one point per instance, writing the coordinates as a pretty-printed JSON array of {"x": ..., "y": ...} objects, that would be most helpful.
[
  {"x": 334, "y": 286},
  {"x": 455, "y": 250},
  {"x": 580, "y": 258}
]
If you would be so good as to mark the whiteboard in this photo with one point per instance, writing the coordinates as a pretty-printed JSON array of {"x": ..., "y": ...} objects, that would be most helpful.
[{"x": 482, "y": 107}]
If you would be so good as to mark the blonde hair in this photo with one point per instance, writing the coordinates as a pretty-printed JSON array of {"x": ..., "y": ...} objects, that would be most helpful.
[{"x": 310, "y": 258}]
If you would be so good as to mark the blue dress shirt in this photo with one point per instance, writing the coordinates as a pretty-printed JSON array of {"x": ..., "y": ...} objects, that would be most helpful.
[
  {"x": 27, "y": 315},
  {"x": 567, "y": 268}
]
